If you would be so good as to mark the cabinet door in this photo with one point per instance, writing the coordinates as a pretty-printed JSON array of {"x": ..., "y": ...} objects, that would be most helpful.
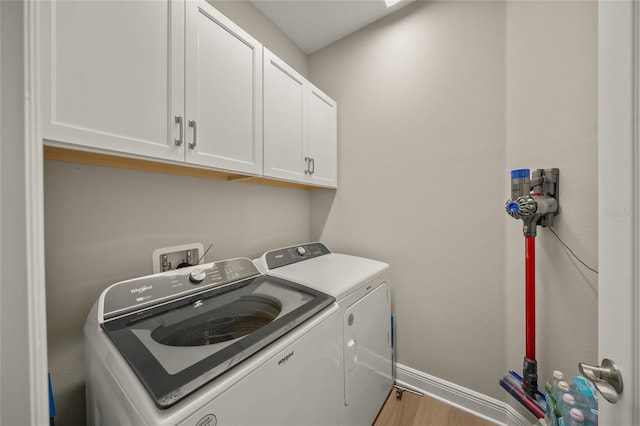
[
  {"x": 112, "y": 75},
  {"x": 284, "y": 120},
  {"x": 322, "y": 138},
  {"x": 224, "y": 92}
]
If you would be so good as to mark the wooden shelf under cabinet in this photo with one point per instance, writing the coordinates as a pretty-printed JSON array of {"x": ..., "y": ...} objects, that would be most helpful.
[{"x": 107, "y": 160}]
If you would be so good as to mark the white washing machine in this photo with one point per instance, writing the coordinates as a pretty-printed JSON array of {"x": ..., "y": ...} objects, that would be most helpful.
[
  {"x": 214, "y": 344},
  {"x": 361, "y": 289}
]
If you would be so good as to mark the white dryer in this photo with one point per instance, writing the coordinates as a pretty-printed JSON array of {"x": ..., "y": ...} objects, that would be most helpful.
[
  {"x": 217, "y": 343},
  {"x": 361, "y": 289}
]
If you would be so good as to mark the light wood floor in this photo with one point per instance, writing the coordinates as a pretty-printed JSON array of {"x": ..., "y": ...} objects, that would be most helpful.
[{"x": 415, "y": 410}]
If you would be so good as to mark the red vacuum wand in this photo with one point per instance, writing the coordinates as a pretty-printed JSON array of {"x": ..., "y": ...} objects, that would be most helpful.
[
  {"x": 530, "y": 296},
  {"x": 530, "y": 369}
]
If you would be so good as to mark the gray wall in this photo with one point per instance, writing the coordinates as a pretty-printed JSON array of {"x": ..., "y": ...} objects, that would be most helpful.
[
  {"x": 437, "y": 103},
  {"x": 247, "y": 16},
  {"x": 552, "y": 107},
  {"x": 421, "y": 130},
  {"x": 103, "y": 224}
]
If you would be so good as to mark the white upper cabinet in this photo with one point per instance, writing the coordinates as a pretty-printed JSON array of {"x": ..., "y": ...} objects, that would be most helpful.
[
  {"x": 176, "y": 81},
  {"x": 300, "y": 142},
  {"x": 223, "y": 92},
  {"x": 112, "y": 75},
  {"x": 169, "y": 80},
  {"x": 322, "y": 133},
  {"x": 284, "y": 127}
]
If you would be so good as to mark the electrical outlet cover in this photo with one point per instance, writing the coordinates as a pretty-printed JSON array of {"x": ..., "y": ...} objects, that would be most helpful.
[{"x": 175, "y": 254}]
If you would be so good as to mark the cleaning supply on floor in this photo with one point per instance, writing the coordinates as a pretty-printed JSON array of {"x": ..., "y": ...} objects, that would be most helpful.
[
  {"x": 566, "y": 403},
  {"x": 585, "y": 395},
  {"x": 575, "y": 418},
  {"x": 566, "y": 396},
  {"x": 552, "y": 411},
  {"x": 557, "y": 377},
  {"x": 553, "y": 398}
]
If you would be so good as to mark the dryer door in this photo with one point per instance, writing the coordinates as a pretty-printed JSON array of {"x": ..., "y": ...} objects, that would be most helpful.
[{"x": 367, "y": 354}]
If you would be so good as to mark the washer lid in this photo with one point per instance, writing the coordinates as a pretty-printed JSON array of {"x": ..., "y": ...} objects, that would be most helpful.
[
  {"x": 335, "y": 274},
  {"x": 176, "y": 347}
]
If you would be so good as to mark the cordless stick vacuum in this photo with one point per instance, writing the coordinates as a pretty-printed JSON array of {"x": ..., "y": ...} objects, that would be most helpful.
[{"x": 534, "y": 200}]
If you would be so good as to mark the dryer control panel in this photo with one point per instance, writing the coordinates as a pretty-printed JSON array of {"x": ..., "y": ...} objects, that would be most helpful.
[{"x": 287, "y": 256}]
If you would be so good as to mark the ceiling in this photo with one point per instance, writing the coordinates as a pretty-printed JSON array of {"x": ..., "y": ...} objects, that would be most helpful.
[{"x": 314, "y": 24}]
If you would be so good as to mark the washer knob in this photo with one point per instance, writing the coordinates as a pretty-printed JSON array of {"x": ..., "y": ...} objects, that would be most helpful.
[
  {"x": 197, "y": 275},
  {"x": 301, "y": 251}
]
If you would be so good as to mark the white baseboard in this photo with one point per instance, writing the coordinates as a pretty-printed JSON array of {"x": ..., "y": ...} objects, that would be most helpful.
[{"x": 468, "y": 400}]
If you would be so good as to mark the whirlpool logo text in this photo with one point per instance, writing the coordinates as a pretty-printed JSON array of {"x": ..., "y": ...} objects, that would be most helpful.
[
  {"x": 142, "y": 289},
  {"x": 285, "y": 358}
]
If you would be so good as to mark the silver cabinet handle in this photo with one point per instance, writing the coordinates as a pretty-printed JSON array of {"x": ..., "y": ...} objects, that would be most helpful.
[
  {"x": 192, "y": 123},
  {"x": 178, "y": 119},
  {"x": 313, "y": 166},
  {"x": 307, "y": 170}
]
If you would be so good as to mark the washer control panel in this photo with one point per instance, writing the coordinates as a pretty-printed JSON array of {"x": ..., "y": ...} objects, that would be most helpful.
[
  {"x": 287, "y": 256},
  {"x": 131, "y": 295}
]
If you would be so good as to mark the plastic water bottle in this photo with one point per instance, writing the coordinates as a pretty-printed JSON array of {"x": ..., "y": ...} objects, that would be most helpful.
[
  {"x": 560, "y": 389},
  {"x": 552, "y": 401},
  {"x": 574, "y": 418},
  {"x": 557, "y": 377},
  {"x": 567, "y": 402},
  {"x": 580, "y": 386},
  {"x": 586, "y": 399}
]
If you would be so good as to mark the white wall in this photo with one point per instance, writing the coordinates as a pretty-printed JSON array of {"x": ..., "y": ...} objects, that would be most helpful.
[
  {"x": 437, "y": 103},
  {"x": 15, "y": 401},
  {"x": 23, "y": 340}
]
